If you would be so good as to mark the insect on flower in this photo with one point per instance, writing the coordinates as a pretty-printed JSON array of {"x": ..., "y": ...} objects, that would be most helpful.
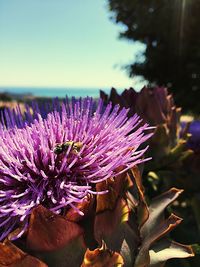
[{"x": 75, "y": 147}]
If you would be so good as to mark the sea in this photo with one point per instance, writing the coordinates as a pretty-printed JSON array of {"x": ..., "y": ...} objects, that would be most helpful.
[{"x": 55, "y": 92}]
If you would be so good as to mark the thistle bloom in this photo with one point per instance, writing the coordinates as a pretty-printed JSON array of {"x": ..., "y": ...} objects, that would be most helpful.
[{"x": 55, "y": 156}]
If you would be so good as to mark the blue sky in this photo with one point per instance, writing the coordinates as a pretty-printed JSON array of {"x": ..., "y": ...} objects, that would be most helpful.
[{"x": 61, "y": 43}]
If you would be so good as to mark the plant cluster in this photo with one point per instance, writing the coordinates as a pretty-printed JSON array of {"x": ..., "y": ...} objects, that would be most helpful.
[{"x": 72, "y": 179}]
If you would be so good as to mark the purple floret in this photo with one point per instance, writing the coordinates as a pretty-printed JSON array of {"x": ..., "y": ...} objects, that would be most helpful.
[{"x": 33, "y": 172}]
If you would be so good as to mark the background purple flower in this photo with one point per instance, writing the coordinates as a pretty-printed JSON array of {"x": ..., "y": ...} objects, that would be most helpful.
[
  {"x": 194, "y": 129},
  {"x": 194, "y": 141},
  {"x": 32, "y": 172}
]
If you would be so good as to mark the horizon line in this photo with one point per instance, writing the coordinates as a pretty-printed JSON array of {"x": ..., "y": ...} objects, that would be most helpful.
[{"x": 61, "y": 87}]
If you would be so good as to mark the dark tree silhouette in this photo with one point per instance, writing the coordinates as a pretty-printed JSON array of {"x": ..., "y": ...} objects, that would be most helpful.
[{"x": 171, "y": 32}]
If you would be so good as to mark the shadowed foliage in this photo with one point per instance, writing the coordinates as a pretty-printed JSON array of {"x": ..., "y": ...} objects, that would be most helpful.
[{"x": 170, "y": 31}]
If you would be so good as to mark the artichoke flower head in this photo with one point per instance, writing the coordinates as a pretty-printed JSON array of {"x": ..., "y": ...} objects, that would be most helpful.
[{"x": 70, "y": 191}]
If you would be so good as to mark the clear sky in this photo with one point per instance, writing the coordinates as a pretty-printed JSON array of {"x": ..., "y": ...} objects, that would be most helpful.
[{"x": 61, "y": 43}]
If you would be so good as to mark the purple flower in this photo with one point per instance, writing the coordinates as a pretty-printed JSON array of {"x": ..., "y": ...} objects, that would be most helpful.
[
  {"x": 55, "y": 155},
  {"x": 194, "y": 140}
]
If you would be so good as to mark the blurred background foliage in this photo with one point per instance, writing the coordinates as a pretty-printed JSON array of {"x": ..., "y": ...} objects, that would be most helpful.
[{"x": 170, "y": 31}]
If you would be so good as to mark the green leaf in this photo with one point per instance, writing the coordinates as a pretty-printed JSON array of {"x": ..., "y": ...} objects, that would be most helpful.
[{"x": 196, "y": 249}]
